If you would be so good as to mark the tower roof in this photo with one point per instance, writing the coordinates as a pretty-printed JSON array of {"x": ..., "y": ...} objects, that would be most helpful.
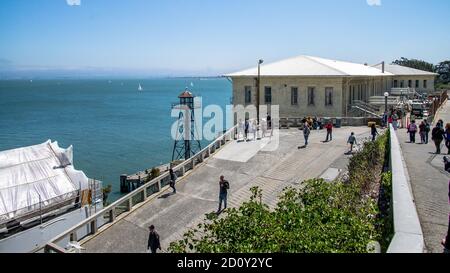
[{"x": 186, "y": 94}]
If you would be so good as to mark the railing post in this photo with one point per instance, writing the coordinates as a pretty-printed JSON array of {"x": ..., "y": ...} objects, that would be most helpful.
[
  {"x": 159, "y": 185},
  {"x": 130, "y": 203},
  {"x": 193, "y": 162},
  {"x": 73, "y": 236},
  {"x": 93, "y": 226},
  {"x": 112, "y": 215},
  {"x": 144, "y": 192}
]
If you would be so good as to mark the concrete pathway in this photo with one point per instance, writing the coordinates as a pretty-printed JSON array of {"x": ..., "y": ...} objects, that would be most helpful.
[
  {"x": 429, "y": 183},
  {"x": 270, "y": 166}
]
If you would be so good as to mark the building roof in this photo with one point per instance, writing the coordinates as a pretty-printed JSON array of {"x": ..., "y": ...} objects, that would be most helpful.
[
  {"x": 36, "y": 174},
  {"x": 399, "y": 70},
  {"x": 313, "y": 67}
]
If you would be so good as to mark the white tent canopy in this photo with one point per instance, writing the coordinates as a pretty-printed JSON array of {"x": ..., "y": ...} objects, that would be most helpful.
[{"x": 37, "y": 174}]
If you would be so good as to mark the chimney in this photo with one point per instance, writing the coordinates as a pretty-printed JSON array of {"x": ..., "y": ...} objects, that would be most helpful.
[{"x": 382, "y": 67}]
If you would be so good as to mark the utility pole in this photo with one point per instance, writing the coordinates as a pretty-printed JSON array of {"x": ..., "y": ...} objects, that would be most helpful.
[{"x": 258, "y": 89}]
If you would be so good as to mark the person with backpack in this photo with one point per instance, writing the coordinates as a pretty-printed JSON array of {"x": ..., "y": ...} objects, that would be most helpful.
[
  {"x": 373, "y": 131},
  {"x": 422, "y": 132},
  {"x": 427, "y": 130},
  {"x": 329, "y": 128},
  {"x": 224, "y": 186},
  {"x": 352, "y": 141},
  {"x": 437, "y": 135},
  {"x": 173, "y": 179},
  {"x": 412, "y": 130},
  {"x": 153, "y": 240}
]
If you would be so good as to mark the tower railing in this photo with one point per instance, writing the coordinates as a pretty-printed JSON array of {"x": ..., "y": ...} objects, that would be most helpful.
[{"x": 119, "y": 209}]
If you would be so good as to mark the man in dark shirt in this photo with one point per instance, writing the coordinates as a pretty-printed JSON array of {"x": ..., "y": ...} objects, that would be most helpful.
[
  {"x": 153, "y": 240},
  {"x": 224, "y": 187}
]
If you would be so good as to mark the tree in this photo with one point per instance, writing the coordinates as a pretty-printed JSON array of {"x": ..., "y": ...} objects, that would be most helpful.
[
  {"x": 416, "y": 64},
  {"x": 443, "y": 69}
]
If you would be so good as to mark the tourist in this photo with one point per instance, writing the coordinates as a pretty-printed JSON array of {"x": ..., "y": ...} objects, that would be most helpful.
[
  {"x": 412, "y": 130},
  {"x": 269, "y": 122},
  {"x": 173, "y": 179},
  {"x": 329, "y": 128},
  {"x": 224, "y": 186},
  {"x": 241, "y": 129},
  {"x": 394, "y": 121},
  {"x": 373, "y": 131},
  {"x": 306, "y": 132},
  {"x": 153, "y": 240},
  {"x": 385, "y": 119},
  {"x": 422, "y": 132},
  {"x": 427, "y": 130},
  {"x": 246, "y": 126},
  {"x": 352, "y": 141},
  {"x": 254, "y": 128},
  {"x": 437, "y": 135},
  {"x": 389, "y": 119},
  {"x": 447, "y": 137},
  {"x": 263, "y": 127},
  {"x": 446, "y": 241}
]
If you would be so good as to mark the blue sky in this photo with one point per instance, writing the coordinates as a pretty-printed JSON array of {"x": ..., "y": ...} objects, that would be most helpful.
[{"x": 209, "y": 37}]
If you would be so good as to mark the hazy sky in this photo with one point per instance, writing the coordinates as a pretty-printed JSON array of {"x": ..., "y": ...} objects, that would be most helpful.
[{"x": 207, "y": 37}]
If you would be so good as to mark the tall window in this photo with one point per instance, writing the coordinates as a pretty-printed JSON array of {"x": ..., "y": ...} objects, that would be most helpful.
[
  {"x": 410, "y": 83},
  {"x": 294, "y": 95},
  {"x": 395, "y": 83},
  {"x": 402, "y": 83},
  {"x": 248, "y": 94},
  {"x": 425, "y": 84},
  {"x": 268, "y": 95},
  {"x": 311, "y": 91},
  {"x": 328, "y": 96},
  {"x": 417, "y": 83}
]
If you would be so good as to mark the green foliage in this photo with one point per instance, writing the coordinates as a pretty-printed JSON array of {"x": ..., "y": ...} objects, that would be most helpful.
[
  {"x": 320, "y": 217},
  {"x": 154, "y": 173},
  {"x": 416, "y": 64},
  {"x": 443, "y": 69}
]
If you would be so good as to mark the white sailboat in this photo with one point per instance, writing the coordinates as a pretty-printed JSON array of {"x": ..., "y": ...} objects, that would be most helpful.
[{"x": 140, "y": 88}]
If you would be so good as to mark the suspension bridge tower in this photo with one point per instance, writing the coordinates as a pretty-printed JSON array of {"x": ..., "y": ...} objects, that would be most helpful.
[{"x": 187, "y": 142}]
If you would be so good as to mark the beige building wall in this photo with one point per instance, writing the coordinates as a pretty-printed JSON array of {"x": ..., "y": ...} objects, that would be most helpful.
[
  {"x": 281, "y": 94},
  {"x": 429, "y": 85}
]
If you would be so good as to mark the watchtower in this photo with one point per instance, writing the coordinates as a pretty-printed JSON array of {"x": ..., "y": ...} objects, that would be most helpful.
[{"x": 186, "y": 143}]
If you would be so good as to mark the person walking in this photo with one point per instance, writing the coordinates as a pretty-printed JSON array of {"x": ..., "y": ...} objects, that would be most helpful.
[
  {"x": 422, "y": 132},
  {"x": 306, "y": 133},
  {"x": 412, "y": 130},
  {"x": 246, "y": 126},
  {"x": 437, "y": 135},
  {"x": 153, "y": 240},
  {"x": 447, "y": 137},
  {"x": 394, "y": 121},
  {"x": 373, "y": 131},
  {"x": 254, "y": 129},
  {"x": 173, "y": 180},
  {"x": 224, "y": 186},
  {"x": 329, "y": 128},
  {"x": 427, "y": 131},
  {"x": 352, "y": 141}
]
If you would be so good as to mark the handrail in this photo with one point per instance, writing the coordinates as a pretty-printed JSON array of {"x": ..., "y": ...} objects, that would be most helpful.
[
  {"x": 367, "y": 111},
  {"x": 408, "y": 236},
  {"x": 142, "y": 189}
]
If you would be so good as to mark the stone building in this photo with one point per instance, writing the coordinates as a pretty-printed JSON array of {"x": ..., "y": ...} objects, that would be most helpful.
[{"x": 312, "y": 86}]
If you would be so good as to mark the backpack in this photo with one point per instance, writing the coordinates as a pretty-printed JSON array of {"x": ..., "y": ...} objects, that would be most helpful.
[
  {"x": 427, "y": 128},
  {"x": 226, "y": 185}
]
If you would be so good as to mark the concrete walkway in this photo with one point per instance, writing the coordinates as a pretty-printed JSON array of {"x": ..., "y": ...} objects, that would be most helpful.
[
  {"x": 429, "y": 184},
  {"x": 245, "y": 165}
]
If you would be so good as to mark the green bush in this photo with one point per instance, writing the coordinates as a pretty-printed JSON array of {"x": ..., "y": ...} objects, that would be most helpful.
[{"x": 321, "y": 217}]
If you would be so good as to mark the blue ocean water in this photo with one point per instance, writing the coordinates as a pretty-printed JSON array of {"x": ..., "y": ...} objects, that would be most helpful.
[{"x": 114, "y": 128}]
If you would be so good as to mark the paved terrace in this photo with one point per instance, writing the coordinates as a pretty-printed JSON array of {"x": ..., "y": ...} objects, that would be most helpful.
[
  {"x": 429, "y": 184},
  {"x": 243, "y": 164}
]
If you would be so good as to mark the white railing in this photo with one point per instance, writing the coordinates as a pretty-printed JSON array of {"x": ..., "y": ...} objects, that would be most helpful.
[
  {"x": 408, "y": 237},
  {"x": 127, "y": 203}
]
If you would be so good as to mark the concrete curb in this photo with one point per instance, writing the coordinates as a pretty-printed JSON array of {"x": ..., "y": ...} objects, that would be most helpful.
[{"x": 408, "y": 236}]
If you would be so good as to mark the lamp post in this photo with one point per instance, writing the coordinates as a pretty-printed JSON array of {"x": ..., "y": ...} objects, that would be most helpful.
[
  {"x": 386, "y": 95},
  {"x": 258, "y": 90}
]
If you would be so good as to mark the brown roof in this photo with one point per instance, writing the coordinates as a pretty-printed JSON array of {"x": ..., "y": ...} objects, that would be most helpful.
[{"x": 186, "y": 94}]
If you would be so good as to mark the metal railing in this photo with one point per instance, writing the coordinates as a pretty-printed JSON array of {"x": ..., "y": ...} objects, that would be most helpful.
[{"x": 126, "y": 204}]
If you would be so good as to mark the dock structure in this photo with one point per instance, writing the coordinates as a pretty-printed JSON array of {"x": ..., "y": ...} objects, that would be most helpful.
[{"x": 244, "y": 165}]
